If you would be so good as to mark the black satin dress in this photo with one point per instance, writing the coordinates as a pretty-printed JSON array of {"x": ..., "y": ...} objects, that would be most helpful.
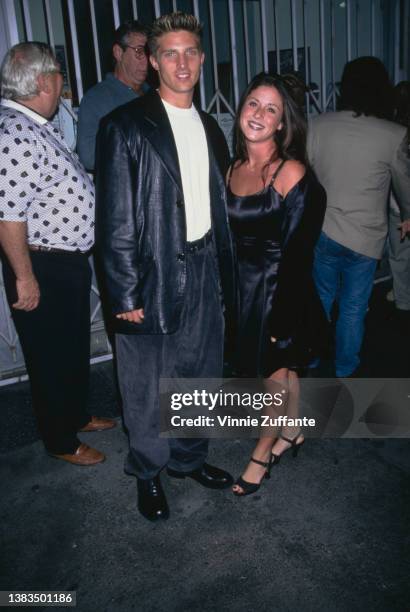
[{"x": 274, "y": 239}]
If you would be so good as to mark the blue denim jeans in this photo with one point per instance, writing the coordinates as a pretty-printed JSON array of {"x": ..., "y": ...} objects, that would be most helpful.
[{"x": 347, "y": 276}]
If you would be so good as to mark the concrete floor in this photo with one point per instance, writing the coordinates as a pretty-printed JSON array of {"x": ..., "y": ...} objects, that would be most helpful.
[{"x": 328, "y": 532}]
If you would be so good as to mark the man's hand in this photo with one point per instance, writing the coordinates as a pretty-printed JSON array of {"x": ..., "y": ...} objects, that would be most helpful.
[
  {"x": 28, "y": 294},
  {"x": 134, "y": 316},
  {"x": 13, "y": 239},
  {"x": 404, "y": 228}
]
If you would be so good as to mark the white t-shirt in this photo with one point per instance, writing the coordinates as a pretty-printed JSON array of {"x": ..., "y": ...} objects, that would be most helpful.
[{"x": 192, "y": 148}]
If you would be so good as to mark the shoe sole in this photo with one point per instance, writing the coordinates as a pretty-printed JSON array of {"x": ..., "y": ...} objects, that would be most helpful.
[
  {"x": 75, "y": 463},
  {"x": 162, "y": 517},
  {"x": 181, "y": 476},
  {"x": 99, "y": 429}
]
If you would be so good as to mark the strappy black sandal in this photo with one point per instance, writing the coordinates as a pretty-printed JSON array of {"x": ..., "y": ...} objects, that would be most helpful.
[
  {"x": 251, "y": 487},
  {"x": 293, "y": 446}
]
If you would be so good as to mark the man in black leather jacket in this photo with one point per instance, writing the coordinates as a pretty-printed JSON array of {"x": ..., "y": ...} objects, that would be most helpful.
[{"x": 165, "y": 246}]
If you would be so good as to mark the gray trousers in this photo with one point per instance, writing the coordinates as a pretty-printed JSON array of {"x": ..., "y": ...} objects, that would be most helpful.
[
  {"x": 194, "y": 351},
  {"x": 399, "y": 260}
]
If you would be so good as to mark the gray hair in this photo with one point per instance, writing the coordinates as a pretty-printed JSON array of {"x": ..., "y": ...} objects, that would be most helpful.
[{"x": 21, "y": 68}]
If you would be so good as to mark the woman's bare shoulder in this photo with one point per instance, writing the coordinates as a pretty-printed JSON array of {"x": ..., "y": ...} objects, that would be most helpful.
[
  {"x": 293, "y": 170},
  {"x": 291, "y": 173}
]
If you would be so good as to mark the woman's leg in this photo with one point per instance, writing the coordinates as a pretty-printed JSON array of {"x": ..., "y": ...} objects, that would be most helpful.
[
  {"x": 292, "y": 412},
  {"x": 262, "y": 452}
]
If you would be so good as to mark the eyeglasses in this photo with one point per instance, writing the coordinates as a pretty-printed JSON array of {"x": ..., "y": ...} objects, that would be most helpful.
[{"x": 139, "y": 51}]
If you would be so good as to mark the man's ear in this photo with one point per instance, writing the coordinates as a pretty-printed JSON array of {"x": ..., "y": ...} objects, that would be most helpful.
[
  {"x": 117, "y": 52},
  {"x": 202, "y": 58},
  {"x": 43, "y": 83},
  {"x": 154, "y": 62}
]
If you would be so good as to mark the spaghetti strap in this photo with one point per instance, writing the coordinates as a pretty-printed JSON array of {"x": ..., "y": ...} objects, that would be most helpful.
[{"x": 275, "y": 174}]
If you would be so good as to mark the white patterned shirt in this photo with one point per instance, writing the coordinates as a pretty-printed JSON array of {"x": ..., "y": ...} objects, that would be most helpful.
[{"x": 42, "y": 182}]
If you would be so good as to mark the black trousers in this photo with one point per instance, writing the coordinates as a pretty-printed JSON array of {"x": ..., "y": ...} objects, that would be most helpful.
[
  {"x": 55, "y": 339},
  {"x": 194, "y": 351}
]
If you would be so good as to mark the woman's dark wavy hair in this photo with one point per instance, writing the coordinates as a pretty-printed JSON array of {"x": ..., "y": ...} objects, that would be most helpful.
[
  {"x": 291, "y": 139},
  {"x": 365, "y": 88}
]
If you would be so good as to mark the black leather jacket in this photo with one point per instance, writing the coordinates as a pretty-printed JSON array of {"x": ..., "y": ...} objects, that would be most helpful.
[{"x": 141, "y": 228}]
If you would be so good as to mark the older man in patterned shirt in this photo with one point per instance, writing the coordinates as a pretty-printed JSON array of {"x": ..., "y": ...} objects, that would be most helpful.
[{"x": 46, "y": 232}]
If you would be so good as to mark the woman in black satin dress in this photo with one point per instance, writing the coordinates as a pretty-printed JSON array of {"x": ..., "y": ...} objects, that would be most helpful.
[{"x": 276, "y": 209}]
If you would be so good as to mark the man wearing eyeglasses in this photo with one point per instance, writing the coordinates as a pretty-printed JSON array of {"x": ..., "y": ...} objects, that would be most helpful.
[{"x": 124, "y": 84}]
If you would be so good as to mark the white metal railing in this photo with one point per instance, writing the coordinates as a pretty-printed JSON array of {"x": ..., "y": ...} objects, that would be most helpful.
[
  {"x": 271, "y": 38},
  {"x": 11, "y": 22},
  {"x": 76, "y": 52},
  {"x": 95, "y": 40},
  {"x": 27, "y": 19},
  {"x": 49, "y": 23},
  {"x": 201, "y": 78}
]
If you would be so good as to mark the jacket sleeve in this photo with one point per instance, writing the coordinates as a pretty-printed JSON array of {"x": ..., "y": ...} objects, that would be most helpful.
[
  {"x": 400, "y": 171},
  {"x": 303, "y": 218},
  {"x": 116, "y": 218}
]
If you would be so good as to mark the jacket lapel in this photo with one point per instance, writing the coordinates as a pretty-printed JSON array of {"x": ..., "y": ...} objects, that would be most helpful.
[{"x": 161, "y": 136}]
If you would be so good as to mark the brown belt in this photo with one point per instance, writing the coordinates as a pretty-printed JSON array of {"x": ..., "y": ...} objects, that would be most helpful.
[{"x": 46, "y": 249}]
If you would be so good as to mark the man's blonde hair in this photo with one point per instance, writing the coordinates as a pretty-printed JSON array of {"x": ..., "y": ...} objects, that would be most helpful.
[{"x": 173, "y": 22}]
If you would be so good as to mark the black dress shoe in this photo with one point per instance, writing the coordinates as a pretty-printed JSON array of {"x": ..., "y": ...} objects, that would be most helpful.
[
  {"x": 207, "y": 475},
  {"x": 152, "y": 502}
]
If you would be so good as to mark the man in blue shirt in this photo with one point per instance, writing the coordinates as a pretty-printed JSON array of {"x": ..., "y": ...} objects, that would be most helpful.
[{"x": 119, "y": 87}]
